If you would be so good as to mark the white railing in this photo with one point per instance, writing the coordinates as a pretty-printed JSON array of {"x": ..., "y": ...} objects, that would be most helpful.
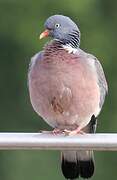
[{"x": 48, "y": 141}]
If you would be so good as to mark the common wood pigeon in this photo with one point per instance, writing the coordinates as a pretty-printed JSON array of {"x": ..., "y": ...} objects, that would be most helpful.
[{"x": 67, "y": 88}]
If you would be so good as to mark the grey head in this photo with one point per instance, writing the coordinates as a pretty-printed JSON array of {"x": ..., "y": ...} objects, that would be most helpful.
[{"x": 63, "y": 29}]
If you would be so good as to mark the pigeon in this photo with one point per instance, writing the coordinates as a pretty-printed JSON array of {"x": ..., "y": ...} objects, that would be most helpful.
[{"x": 67, "y": 88}]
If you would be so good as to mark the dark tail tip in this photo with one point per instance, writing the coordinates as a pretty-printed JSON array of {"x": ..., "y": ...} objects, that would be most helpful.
[
  {"x": 70, "y": 169},
  {"x": 86, "y": 168}
]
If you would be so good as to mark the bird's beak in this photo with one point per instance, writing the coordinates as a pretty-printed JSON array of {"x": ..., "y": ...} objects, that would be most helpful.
[{"x": 44, "y": 34}]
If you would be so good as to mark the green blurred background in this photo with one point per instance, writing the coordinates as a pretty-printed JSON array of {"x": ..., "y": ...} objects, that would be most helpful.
[{"x": 21, "y": 21}]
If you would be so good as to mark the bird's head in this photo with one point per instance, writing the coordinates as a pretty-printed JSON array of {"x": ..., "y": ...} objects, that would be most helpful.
[{"x": 63, "y": 29}]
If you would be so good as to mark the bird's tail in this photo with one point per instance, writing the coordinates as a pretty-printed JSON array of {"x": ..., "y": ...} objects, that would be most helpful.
[{"x": 76, "y": 164}]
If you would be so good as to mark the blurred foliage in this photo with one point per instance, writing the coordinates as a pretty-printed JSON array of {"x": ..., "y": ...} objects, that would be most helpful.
[{"x": 21, "y": 21}]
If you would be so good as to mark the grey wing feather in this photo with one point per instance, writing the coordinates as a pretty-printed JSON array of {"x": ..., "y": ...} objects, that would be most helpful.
[
  {"x": 91, "y": 127},
  {"x": 34, "y": 59},
  {"x": 100, "y": 75},
  {"x": 101, "y": 81}
]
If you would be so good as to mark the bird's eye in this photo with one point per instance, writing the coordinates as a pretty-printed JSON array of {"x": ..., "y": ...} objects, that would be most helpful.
[{"x": 57, "y": 25}]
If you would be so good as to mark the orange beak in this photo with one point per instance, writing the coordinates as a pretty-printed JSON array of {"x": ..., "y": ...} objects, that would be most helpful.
[{"x": 44, "y": 34}]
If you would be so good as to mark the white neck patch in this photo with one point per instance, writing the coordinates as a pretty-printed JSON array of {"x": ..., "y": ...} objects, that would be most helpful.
[{"x": 70, "y": 49}]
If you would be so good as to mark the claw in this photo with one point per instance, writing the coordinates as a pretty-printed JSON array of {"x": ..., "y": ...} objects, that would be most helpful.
[
  {"x": 56, "y": 131},
  {"x": 65, "y": 131},
  {"x": 73, "y": 132}
]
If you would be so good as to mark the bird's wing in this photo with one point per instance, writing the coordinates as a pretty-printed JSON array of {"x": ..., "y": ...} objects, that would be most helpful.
[
  {"x": 34, "y": 59},
  {"x": 38, "y": 56},
  {"x": 101, "y": 79}
]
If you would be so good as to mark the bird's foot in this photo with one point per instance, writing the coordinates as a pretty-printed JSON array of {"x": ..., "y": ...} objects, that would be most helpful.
[
  {"x": 57, "y": 131},
  {"x": 73, "y": 132}
]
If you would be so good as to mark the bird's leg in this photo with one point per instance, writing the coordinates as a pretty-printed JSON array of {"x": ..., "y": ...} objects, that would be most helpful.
[{"x": 73, "y": 132}]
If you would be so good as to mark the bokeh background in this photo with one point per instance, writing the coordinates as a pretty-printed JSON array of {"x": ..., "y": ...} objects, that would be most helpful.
[{"x": 21, "y": 22}]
